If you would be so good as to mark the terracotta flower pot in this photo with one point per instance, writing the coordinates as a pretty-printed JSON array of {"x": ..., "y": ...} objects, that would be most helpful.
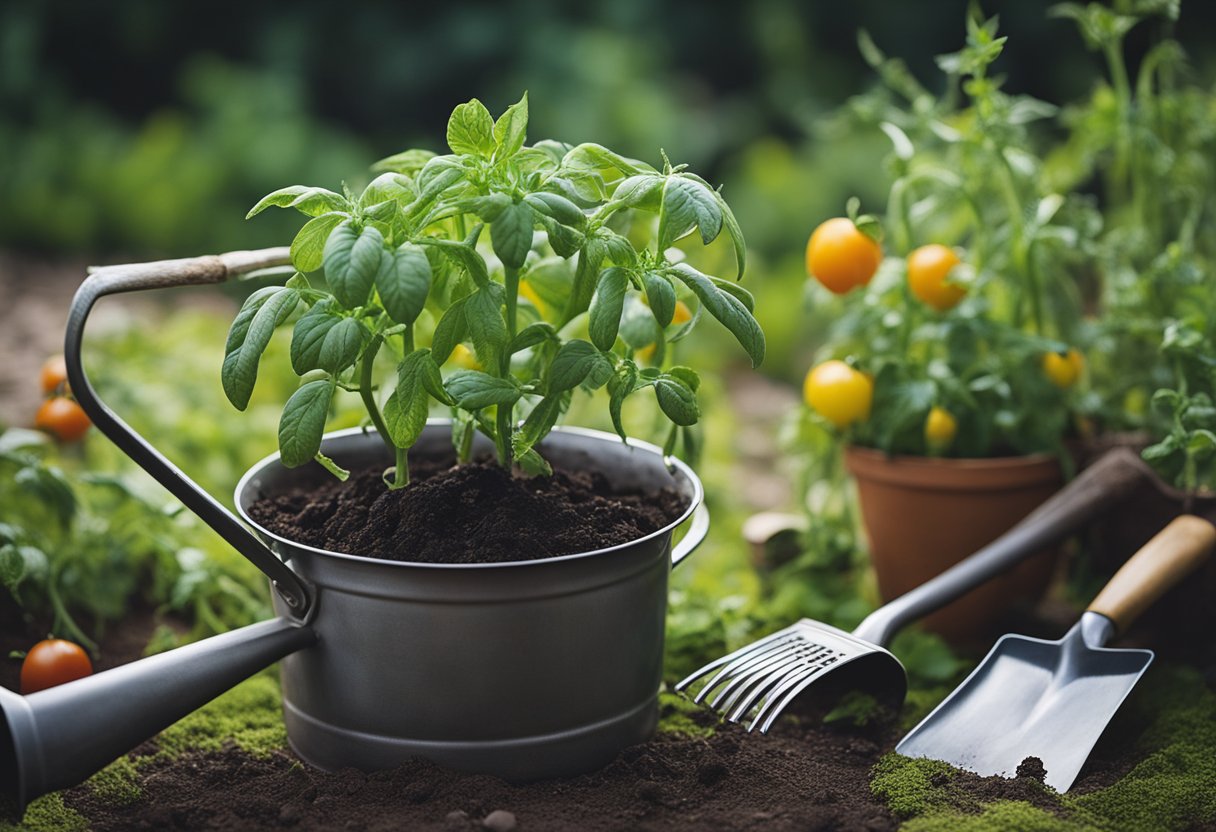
[{"x": 923, "y": 515}]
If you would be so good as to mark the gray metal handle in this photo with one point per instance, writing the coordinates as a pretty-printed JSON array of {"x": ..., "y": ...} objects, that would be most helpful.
[
  {"x": 1103, "y": 485},
  {"x": 195, "y": 271},
  {"x": 693, "y": 538}
]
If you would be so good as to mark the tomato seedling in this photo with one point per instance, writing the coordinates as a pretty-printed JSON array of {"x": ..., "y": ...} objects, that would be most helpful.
[{"x": 574, "y": 280}]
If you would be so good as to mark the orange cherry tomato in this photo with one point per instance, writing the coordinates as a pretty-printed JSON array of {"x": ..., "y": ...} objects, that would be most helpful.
[
  {"x": 53, "y": 662},
  {"x": 54, "y": 375},
  {"x": 840, "y": 256},
  {"x": 928, "y": 268},
  {"x": 62, "y": 418}
]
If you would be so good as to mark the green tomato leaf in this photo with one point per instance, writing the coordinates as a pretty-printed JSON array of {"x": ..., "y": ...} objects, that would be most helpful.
[
  {"x": 248, "y": 338},
  {"x": 511, "y": 235},
  {"x": 661, "y": 296},
  {"x": 563, "y": 239},
  {"x": 471, "y": 129},
  {"x": 342, "y": 345},
  {"x": 740, "y": 294},
  {"x": 557, "y": 207},
  {"x": 473, "y": 389},
  {"x": 511, "y": 129},
  {"x": 464, "y": 255},
  {"x": 403, "y": 282},
  {"x": 607, "y": 305},
  {"x": 439, "y": 174},
  {"x": 388, "y": 187},
  {"x": 311, "y": 202},
  {"x": 450, "y": 331},
  {"x": 486, "y": 325},
  {"x": 574, "y": 362},
  {"x": 408, "y": 162},
  {"x": 539, "y": 422},
  {"x": 735, "y": 232},
  {"x": 352, "y": 259},
  {"x": 644, "y": 191},
  {"x": 677, "y": 400},
  {"x": 532, "y": 335},
  {"x": 687, "y": 203},
  {"x": 594, "y": 157},
  {"x": 533, "y": 464},
  {"x": 309, "y": 243},
  {"x": 309, "y": 334},
  {"x": 303, "y": 422},
  {"x": 620, "y": 386},
  {"x": 406, "y": 410},
  {"x": 728, "y": 309}
]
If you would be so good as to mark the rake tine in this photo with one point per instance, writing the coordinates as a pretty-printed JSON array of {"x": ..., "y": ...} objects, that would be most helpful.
[
  {"x": 739, "y": 675},
  {"x": 757, "y": 692},
  {"x": 786, "y": 693},
  {"x": 727, "y": 659}
]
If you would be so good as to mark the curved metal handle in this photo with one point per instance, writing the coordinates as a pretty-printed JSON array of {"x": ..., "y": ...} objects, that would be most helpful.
[
  {"x": 195, "y": 271},
  {"x": 693, "y": 537},
  {"x": 1098, "y": 488}
]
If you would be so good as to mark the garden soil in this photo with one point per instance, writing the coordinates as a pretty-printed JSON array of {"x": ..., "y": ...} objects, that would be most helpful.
[
  {"x": 472, "y": 513},
  {"x": 798, "y": 778}
]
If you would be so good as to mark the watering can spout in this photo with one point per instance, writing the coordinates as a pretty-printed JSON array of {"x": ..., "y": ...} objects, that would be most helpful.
[{"x": 58, "y": 737}]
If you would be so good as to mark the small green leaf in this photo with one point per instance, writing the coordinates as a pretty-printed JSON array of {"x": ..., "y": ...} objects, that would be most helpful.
[
  {"x": 342, "y": 345},
  {"x": 557, "y": 207},
  {"x": 591, "y": 156},
  {"x": 316, "y": 346},
  {"x": 403, "y": 282},
  {"x": 687, "y": 376},
  {"x": 735, "y": 232},
  {"x": 607, "y": 305},
  {"x": 728, "y": 309},
  {"x": 473, "y": 389},
  {"x": 644, "y": 191},
  {"x": 511, "y": 129},
  {"x": 309, "y": 243},
  {"x": 248, "y": 338},
  {"x": 677, "y": 401},
  {"x": 563, "y": 239},
  {"x": 408, "y": 162},
  {"x": 486, "y": 325},
  {"x": 463, "y": 255},
  {"x": 532, "y": 335},
  {"x": 303, "y": 422},
  {"x": 439, "y": 174},
  {"x": 449, "y": 332},
  {"x": 352, "y": 259},
  {"x": 688, "y": 203},
  {"x": 661, "y": 296},
  {"x": 740, "y": 294},
  {"x": 511, "y": 235},
  {"x": 388, "y": 187},
  {"x": 471, "y": 129},
  {"x": 539, "y": 422},
  {"x": 574, "y": 362},
  {"x": 311, "y": 202},
  {"x": 406, "y": 410},
  {"x": 533, "y": 464},
  {"x": 620, "y": 386}
]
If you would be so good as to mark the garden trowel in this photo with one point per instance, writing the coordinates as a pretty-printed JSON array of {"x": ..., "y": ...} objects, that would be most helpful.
[{"x": 1052, "y": 699}]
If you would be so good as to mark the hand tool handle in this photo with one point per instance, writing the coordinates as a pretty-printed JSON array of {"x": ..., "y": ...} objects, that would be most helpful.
[
  {"x": 1175, "y": 552},
  {"x": 1097, "y": 489}
]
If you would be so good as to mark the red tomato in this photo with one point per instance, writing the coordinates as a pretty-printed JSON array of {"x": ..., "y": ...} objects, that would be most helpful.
[{"x": 53, "y": 662}]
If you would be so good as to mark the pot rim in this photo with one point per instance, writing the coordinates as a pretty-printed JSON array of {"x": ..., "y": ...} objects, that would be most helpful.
[
  {"x": 950, "y": 473},
  {"x": 698, "y": 496}
]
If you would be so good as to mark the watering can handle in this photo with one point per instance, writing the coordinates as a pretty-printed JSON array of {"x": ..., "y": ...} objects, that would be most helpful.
[
  {"x": 195, "y": 271},
  {"x": 697, "y": 530}
]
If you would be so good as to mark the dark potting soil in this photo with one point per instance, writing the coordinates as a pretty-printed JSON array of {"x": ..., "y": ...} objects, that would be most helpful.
[
  {"x": 797, "y": 778},
  {"x": 472, "y": 513}
]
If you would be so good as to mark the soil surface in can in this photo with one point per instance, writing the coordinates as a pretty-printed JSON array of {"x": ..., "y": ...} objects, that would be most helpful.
[
  {"x": 471, "y": 513},
  {"x": 800, "y": 777}
]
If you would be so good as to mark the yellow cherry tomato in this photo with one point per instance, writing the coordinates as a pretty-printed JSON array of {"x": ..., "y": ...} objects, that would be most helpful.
[
  {"x": 682, "y": 314},
  {"x": 464, "y": 358},
  {"x": 840, "y": 256},
  {"x": 928, "y": 267},
  {"x": 1064, "y": 370},
  {"x": 646, "y": 354},
  {"x": 839, "y": 393},
  {"x": 529, "y": 294},
  {"x": 940, "y": 428}
]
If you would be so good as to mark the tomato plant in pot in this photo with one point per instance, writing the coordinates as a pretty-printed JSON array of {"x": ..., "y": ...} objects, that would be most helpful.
[
  {"x": 952, "y": 368},
  {"x": 524, "y": 661}
]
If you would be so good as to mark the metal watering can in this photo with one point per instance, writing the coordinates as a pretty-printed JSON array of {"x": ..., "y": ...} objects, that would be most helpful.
[{"x": 524, "y": 670}]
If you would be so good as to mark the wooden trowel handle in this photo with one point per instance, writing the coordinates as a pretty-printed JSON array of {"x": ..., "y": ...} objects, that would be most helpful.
[{"x": 1175, "y": 552}]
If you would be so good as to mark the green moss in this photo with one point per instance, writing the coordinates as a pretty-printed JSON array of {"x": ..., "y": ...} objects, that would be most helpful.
[
  {"x": 249, "y": 716},
  {"x": 677, "y": 716},
  {"x": 1001, "y": 816},
  {"x": 911, "y": 787},
  {"x": 117, "y": 783},
  {"x": 48, "y": 814}
]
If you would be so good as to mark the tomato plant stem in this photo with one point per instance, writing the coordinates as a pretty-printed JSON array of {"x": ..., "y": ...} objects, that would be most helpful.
[
  {"x": 511, "y": 281},
  {"x": 367, "y": 393}
]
